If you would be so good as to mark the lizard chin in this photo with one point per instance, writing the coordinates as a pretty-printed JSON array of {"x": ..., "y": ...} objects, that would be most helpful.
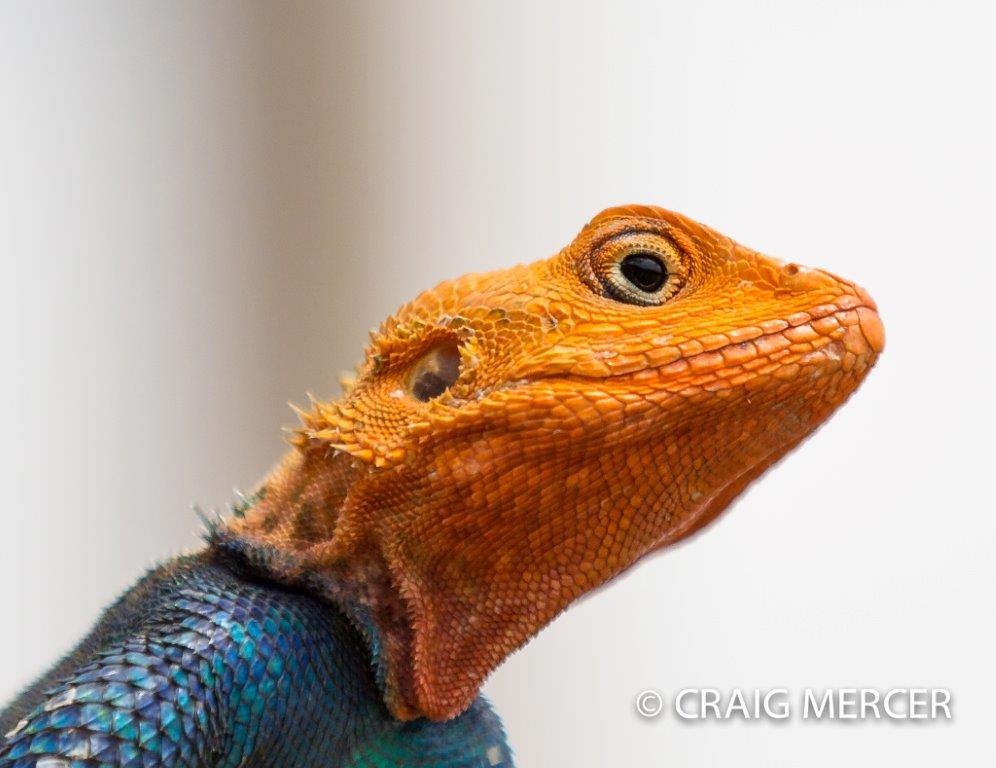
[{"x": 802, "y": 394}]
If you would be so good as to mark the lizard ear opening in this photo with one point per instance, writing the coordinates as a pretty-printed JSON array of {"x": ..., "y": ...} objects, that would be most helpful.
[{"x": 435, "y": 372}]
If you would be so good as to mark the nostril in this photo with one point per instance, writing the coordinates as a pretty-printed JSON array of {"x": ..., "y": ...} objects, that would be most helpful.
[{"x": 798, "y": 277}]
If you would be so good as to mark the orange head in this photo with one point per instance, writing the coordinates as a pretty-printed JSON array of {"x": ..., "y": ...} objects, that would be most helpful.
[{"x": 517, "y": 438}]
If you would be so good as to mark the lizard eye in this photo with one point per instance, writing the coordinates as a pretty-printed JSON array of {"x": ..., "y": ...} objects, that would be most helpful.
[
  {"x": 435, "y": 372},
  {"x": 638, "y": 268}
]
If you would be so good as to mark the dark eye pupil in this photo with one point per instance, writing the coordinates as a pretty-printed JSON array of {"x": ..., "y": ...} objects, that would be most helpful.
[{"x": 644, "y": 271}]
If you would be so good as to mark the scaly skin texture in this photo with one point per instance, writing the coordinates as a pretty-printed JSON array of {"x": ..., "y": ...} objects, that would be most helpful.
[
  {"x": 582, "y": 433},
  {"x": 513, "y": 440},
  {"x": 200, "y": 666}
]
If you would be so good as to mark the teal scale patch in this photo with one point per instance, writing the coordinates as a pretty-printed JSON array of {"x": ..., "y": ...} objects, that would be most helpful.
[{"x": 219, "y": 671}]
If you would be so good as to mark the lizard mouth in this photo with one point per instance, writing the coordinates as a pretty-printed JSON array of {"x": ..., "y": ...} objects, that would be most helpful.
[
  {"x": 845, "y": 334},
  {"x": 848, "y": 336}
]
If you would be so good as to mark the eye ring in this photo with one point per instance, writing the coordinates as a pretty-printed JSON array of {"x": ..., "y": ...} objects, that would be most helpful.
[{"x": 640, "y": 268}]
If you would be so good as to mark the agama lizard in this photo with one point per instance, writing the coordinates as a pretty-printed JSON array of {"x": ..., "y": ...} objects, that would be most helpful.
[{"x": 512, "y": 441}]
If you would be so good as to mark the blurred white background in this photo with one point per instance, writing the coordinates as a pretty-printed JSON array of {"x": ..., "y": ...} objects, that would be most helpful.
[{"x": 204, "y": 206}]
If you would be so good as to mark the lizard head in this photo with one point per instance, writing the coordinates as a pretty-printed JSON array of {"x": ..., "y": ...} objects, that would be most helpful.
[{"x": 515, "y": 439}]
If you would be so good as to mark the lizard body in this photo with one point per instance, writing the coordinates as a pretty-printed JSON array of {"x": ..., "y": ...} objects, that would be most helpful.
[
  {"x": 200, "y": 664},
  {"x": 512, "y": 441}
]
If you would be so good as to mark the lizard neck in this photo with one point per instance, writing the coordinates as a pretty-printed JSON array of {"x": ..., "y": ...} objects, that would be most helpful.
[{"x": 290, "y": 533}]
